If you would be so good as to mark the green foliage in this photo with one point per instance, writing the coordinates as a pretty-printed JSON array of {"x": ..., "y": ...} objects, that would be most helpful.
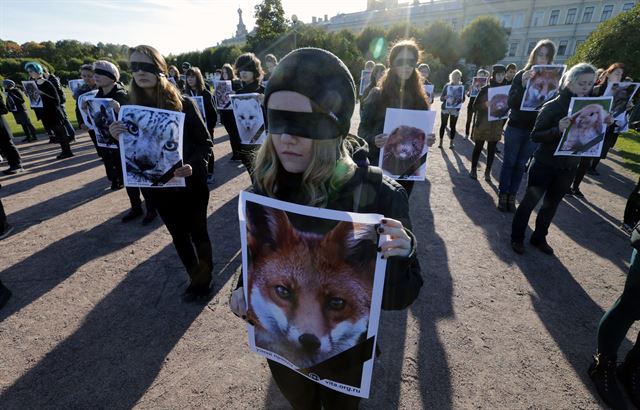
[
  {"x": 271, "y": 25},
  {"x": 372, "y": 43},
  {"x": 441, "y": 40},
  {"x": 13, "y": 68},
  {"x": 615, "y": 40},
  {"x": 628, "y": 146},
  {"x": 402, "y": 31},
  {"x": 484, "y": 41}
]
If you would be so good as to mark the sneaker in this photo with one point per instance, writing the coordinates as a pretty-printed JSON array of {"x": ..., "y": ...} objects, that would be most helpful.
[
  {"x": 13, "y": 170},
  {"x": 451, "y": 146},
  {"x": 542, "y": 245},
  {"x": 518, "y": 247},
  {"x": 116, "y": 185},
  {"x": 603, "y": 373},
  {"x": 65, "y": 155},
  {"x": 473, "y": 174},
  {"x": 5, "y": 295},
  {"x": 132, "y": 214},
  {"x": 72, "y": 141},
  {"x": 577, "y": 193},
  {"x": 629, "y": 375},
  {"x": 502, "y": 202},
  {"x": 6, "y": 232},
  {"x": 149, "y": 217}
]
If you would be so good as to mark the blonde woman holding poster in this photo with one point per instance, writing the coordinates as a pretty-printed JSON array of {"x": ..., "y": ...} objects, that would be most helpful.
[
  {"x": 183, "y": 210},
  {"x": 307, "y": 159},
  {"x": 550, "y": 175},
  {"x": 452, "y": 98}
]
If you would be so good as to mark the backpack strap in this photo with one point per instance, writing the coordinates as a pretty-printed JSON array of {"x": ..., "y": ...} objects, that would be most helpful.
[{"x": 367, "y": 192}]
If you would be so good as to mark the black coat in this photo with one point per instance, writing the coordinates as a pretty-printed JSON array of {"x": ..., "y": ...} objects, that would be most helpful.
[
  {"x": 210, "y": 111},
  {"x": 51, "y": 113},
  {"x": 55, "y": 81},
  {"x": 517, "y": 118},
  {"x": 547, "y": 133},
  {"x": 17, "y": 98}
]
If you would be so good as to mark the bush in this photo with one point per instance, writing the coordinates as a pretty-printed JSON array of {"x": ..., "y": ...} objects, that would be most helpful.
[{"x": 13, "y": 68}]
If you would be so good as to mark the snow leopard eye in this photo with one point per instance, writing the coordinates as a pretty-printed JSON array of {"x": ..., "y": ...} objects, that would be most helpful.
[
  {"x": 171, "y": 146},
  {"x": 132, "y": 128}
]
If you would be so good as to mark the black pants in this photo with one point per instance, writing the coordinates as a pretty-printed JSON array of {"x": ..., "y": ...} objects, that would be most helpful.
[
  {"x": 453, "y": 119},
  {"x": 7, "y": 147},
  {"x": 632, "y": 208},
  {"x": 408, "y": 186},
  {"x": 470, "y": 113},
  {"x": 112, "y": 164},
  {"x": 63, "y": 139},
  {"x": 184, "y": 213},
  {"x": 92, "y": 135},
  {"x": 585, "y": 164},
  {"x": 547, "y": 181},
  {"x": 136, "y": 202},
  {"x": 229, "y": 122},
  {"x": 68, "y": 127},
  {"x": 491, "y": 154},
  {"x": 303, "y": 393},
  {"x": 29, "y": 129}
]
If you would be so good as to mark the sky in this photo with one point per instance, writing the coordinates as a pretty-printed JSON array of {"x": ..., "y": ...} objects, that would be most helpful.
[{"x": 171, "y": 26}]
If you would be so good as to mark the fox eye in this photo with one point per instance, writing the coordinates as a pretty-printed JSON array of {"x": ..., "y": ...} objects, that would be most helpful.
[
  {"x": 283, "y": 292},
  {"x": 336, "y": 303}
]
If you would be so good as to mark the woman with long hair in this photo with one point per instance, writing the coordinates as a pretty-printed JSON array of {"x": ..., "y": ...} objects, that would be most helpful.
[
  {"x": 550, "y": 175},
  {"x": 195, "y": 87},
  {"x": 518, "y": 146},
  {"x": 306, "y": 159},
  {"x": 174, "y": 77},
  {"x": 376, "y": 75},
  {"x": 183, "y": 210},
  {"x": 51, "y": 113},
  {"x": 226, "y": 114},
  {"x": 400, "y": 87},
  {"x": 450, "y": 115}
]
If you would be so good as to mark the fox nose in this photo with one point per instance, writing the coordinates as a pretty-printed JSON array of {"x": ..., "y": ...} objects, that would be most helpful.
[{"x": 309, "y": 342}]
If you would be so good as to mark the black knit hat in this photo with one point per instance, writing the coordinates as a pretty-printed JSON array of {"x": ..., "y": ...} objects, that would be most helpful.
[
  {"x": 498, "y": 68},
  {"x": 320, "y": 76}
]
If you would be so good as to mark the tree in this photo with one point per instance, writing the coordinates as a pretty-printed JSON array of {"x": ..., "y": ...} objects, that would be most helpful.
[
  {"x": 442, "y": 41},
  {"x": 372, "y": 43},
  {"x": 484, "y": 41},
  {"x": 271, "y": 26},
  {"x": 401, "y": 31},
  {"x": 615, "y": 40}
]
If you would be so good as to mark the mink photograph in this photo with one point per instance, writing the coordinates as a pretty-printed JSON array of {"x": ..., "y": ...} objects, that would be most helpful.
[
  {"x": 498, "y": 102},
  {"x": 585, "y": 135},
  {"x": 314, "y": 288},
  {"x": 455, "y": 97}
]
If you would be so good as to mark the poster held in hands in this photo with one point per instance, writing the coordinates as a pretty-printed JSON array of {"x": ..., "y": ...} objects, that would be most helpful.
[
  {"x": 542, "y": 86},
  {"x": 222, "y": 92},
  {"x": 32, "y": 92},
  {"x": 102, "y": 116},
  {"x": 335, "y": 345},
  {"x": 622, "y": 93},
  {"x": 585, "y": 136},
  {"x": 247, "y": 111},
  {"x": 365, "y": 80},
  {"x": 454, "y": 98},
  {"x": 84, "y": 108},
  {"x": 151, "y": 149},
  {"x": 404, "y": 155},
  {"x": 74, "y": 85},
  {"x": 476, "y": 84},
  {"x": 498, "y": 102},
  {"x": 429, "y": 90}
]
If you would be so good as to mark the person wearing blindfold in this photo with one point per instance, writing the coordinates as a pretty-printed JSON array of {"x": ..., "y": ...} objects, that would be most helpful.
[
  {"x": 308, "y": 158},
  {"x": 183, "y": 210},
  {"x": 400, "y": 87}
]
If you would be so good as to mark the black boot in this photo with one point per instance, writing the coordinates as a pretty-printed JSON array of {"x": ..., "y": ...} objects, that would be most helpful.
[
  {"x": 603, "y": 373},
  {"x": 511, "y": 203},
  {"x": 629, "y": 375}
]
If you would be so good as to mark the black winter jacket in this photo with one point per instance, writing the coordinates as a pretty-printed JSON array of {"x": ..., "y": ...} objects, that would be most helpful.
[
  {"x": 548, "y": 135},
  {"x": 51, "y": 113},
  {"x": 17, "y": 98},
  {"x": 517, "y": 118},
  {"x": 210, "y": 111}
]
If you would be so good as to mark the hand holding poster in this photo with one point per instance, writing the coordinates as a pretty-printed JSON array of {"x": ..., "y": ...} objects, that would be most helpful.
[
  {"x": 429, "y": 90},
  {"x": 498, "y": 105},
  {"x": 151, "y": 149},
  {"x": 222, "y": 91},
  {"x": 31, "y": 89},
  {"x": 455, "y": 96},
  {"x": 622, "y": 93},
  {"x": 74, "y": 85},
  {"x": 84, "y": 108},
  {"x": 365, "y": 79},
  {"x": 476, "y": 85},
  {"x": 314, "y": 321},
  {"x": 542, "y": 86},
  {"x": 585, "y": 136},
  {"x": 249, "y": 118},
  {"x": 102, "y": 116},
  {"x": 404, "y": 154}
]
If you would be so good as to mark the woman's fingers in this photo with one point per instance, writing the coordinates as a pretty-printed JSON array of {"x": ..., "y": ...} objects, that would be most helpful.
[
  {"x": 400, "y": 243},
  {"x": 396, "y": 252}
]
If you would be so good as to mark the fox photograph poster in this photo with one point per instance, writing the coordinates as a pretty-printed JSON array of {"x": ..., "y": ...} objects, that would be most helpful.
[
  {"x": 151, "y": 148},
  {"x": 585, "y": 136},
  {"x": 247, "y": 111},
  {"x": 313, "y": 284},
  {"x": 404, "y": 154},
  {"x": 542, "y": 86}
]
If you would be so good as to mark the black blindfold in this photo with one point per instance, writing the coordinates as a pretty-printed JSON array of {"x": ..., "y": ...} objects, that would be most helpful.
[{"x": 312, "y": 125}]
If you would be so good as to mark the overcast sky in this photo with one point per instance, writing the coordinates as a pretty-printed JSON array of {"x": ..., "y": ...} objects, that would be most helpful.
[{"x": 172, "y": 26}]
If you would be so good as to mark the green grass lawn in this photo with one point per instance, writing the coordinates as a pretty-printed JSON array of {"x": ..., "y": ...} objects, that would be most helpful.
[
  {"x": 70, "y": 108},
  {"x": 628, "y": 146}
]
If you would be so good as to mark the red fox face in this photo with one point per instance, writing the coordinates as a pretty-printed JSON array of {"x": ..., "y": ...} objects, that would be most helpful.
[
  {"x": 309, "y": 294},
  {"x": 542, "y": 87}
]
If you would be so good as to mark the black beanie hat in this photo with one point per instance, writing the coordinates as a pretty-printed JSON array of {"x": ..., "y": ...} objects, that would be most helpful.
[
  {"x": 498, "y": 68},
  {"x": 320, "y": 76}
]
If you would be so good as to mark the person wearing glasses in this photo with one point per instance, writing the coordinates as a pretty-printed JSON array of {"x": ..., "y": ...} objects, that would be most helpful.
[
  {"x": 183, "y": 210},
  {"x": 400, "y": 87}
]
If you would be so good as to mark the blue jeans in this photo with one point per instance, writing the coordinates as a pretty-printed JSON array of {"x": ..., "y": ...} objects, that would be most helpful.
[{"x": 518, "y": 147}]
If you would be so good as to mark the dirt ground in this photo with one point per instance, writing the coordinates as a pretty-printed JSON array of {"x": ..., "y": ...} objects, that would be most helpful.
[{"x": 97, "y": 321}]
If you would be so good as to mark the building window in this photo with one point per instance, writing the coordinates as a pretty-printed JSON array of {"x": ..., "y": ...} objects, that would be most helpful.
[
  {"x": 505, "y": 20},
  {"x": 571, "y": 16},
  {"x": 587, "y": 15},
  {"x": 553, "y": 18},
  {"x": 538, "y": 18},
  {"x": 562, "y": 47},
  {"x": 627, "y": 6},
  {"x": 531, "y": 46},
  {"x": 513, "y": 49},
  {"x": 606, "y": 12}
]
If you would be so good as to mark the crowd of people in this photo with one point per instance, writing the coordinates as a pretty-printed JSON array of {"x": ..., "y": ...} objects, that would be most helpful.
[{"x": 310, "y": 158}]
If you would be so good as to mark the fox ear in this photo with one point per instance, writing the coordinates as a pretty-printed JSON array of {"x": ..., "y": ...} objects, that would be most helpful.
[
  {"x": 268, "y": 229},
  {"x": 354, "y": 242}
]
